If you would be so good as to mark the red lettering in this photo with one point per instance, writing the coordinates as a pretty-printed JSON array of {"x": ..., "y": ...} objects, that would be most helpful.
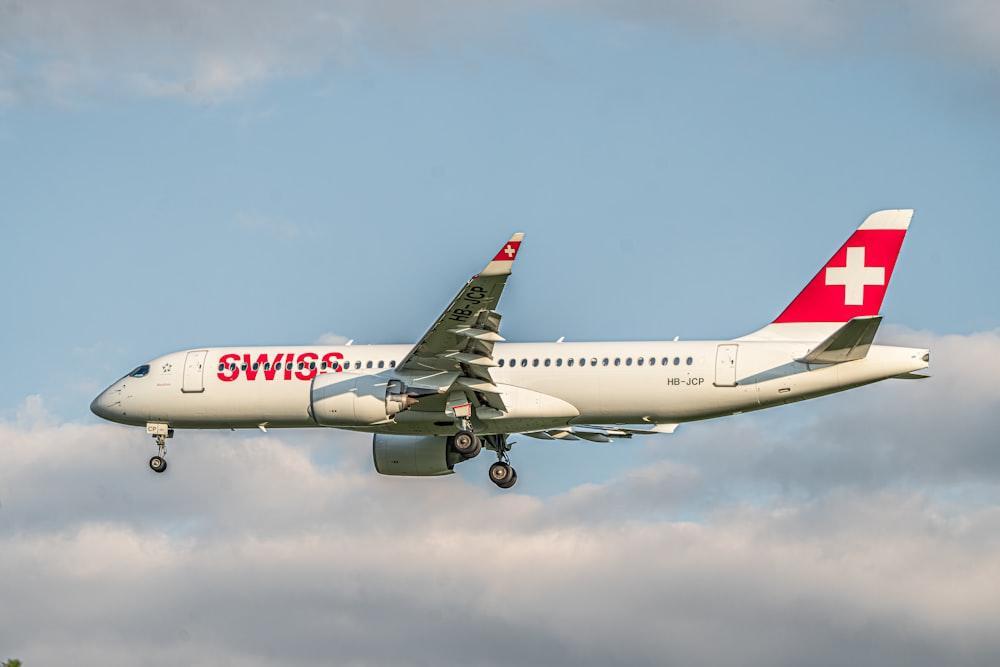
[
  {"x": 254, "y": 367},
  {"x": 307, "y": 359},
  {"x": 230, "y": 367},
  {"x": 269, "y": 372},
  {"x": 328, "y": 359}
]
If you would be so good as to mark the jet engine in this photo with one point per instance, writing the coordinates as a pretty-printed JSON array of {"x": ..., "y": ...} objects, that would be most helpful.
[
  {"x": 345, "y": 399},
  {"x": 413, "y": 455}
]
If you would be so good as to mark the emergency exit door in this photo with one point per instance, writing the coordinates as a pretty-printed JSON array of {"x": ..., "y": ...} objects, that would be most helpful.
[
  {"x": 725, "y": 365},
  {"x": 194, "y": 372}
]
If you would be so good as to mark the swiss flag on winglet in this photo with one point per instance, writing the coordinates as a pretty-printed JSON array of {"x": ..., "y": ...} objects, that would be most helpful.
[
  {"x": 853, "y": 283},
  {"x": 508, "y": 252}
]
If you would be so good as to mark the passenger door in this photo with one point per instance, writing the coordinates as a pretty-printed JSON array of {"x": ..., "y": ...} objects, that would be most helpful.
[{"x": 194, "y": 372}]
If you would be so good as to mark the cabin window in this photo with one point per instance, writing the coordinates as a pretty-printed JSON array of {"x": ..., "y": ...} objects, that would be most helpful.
[
  {"x": 368, "y": 365},
  {"x": 334, "y": 365},
  {"x": 558, "y": 362},
  {"x": 357, "y": 365},
  {"x": 534, "y": 362},
  {"x": 392, "y": 364},
  {"x": 690, "y": 360},
  {"x": 618, "y": 361},
  {"x": 500, "y": 363},
  {"x": 243, "y": 367},
  {"x": 677, "y": 361},
  {"x": 547, "y": 362},
  {"x": 267, "y": 365},
  {"x": 222, "y": 367},
  {"x": 640, "y": 361},
  {"x": 604, "y": 361},
  {"x": 256, "y": 365},
  {"x": 628, "y": 361},
  {"x": 665, "y": 361},
  {"x": 583, "y": 362},
  {"x": 524, "y": 362},
  {"x": 569, "y": 362},
  {"x": 593, "y": 361}
]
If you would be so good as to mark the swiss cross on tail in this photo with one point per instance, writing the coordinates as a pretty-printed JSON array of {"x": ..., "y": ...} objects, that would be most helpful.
[{"x": 853, "y": 283}]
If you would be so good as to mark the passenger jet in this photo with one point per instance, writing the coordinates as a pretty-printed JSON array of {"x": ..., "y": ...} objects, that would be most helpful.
[{"x": 462, "y": 388}]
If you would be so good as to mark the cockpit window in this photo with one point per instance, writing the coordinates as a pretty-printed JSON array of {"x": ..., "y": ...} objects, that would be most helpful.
[{"x": 140, "y": 372}]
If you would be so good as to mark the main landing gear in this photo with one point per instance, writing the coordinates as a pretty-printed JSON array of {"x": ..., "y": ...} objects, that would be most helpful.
[
  {"x": 160, "y": 433},
  {"x": 468, "y": 445}
]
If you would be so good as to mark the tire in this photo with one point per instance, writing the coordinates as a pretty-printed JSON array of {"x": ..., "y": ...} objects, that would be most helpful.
[
  {"x": 158, "y": 464},
  {"x": 501, "y": 473},
  {"x": 511, "y": 482},
  {"x": 466, "y": 444}
]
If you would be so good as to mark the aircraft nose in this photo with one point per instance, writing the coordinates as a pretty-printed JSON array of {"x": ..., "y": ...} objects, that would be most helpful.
[
  {"x": 107, "y": 405},
  {"x": 99, "y": 406}
]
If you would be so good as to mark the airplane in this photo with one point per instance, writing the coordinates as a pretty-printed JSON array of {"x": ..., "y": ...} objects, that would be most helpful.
[{"x": 462, "y": 388}]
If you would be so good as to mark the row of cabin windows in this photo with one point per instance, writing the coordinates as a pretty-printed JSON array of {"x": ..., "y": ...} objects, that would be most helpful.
[
  {"x": 606, "y": 361},
  {"x": 333, "y": 365}
]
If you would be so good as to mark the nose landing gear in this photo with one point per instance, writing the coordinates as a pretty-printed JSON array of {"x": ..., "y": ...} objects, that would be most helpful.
[{"x": 160, "y": 433}]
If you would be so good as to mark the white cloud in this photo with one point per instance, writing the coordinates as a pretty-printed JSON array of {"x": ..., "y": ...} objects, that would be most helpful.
[
  {"x": 213, "y": 50},
  {"x": 248, "y": 551},
  {"x": 330, "y": 338}
]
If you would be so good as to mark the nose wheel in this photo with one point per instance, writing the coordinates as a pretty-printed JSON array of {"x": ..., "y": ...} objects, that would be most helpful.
[{"x": 160, "y": 433}]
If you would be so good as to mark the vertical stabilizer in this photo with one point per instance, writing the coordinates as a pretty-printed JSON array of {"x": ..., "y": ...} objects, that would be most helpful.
[{"x": 851, "y": 284}]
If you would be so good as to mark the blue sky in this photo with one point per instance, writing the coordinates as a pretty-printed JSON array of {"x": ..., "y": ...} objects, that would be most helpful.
[
  {"x": 671, "y": 182},
  {"x": 183, "y": 174}
]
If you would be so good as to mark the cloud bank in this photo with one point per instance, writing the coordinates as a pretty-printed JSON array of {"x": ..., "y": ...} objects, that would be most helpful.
[
  {"x": 822, "y": 541},
  {"x": 205, "y": 52}
]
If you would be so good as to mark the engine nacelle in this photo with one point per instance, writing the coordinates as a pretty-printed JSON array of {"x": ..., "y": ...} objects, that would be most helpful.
[
  {"x": 413, "y": 455},
  {"x": 346, "y": 399}
]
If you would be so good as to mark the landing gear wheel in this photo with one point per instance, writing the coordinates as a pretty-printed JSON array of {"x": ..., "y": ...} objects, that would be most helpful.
[
  {"x": 158, "y": 464},
  {"x": 503, "y": 475},
  {"x": 466, "y": 444}
]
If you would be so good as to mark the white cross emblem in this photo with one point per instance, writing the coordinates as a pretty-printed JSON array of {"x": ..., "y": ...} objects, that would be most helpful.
[
  {"x": 509, "y": 249},
  {"x": 855, "y": 276}
]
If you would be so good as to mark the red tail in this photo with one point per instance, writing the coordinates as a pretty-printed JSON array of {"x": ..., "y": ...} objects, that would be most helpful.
[{"x": 854, "y": 281}]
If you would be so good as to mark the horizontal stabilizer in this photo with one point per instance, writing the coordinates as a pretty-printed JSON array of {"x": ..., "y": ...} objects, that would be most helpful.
[
  {"x": 848, "y": 343},
  {"x": 911, "y": 376}
]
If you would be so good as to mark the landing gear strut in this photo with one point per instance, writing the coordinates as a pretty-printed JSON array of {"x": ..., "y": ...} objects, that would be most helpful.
[
  {"x": 502, "y": 473},
  {"x": 160, "y": 433}
]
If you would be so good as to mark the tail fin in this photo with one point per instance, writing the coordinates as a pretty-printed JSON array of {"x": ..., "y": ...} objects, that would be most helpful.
[{"x": 851, "y": 284}]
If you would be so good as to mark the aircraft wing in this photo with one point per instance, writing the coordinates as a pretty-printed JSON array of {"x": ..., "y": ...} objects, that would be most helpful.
[{"x": 456, "y": 353}]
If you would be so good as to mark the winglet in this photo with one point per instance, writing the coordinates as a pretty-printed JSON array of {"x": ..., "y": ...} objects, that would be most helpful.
[{"x": 504, "y": 260}]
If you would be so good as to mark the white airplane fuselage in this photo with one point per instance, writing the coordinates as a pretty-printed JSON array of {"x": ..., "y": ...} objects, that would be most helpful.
[
  {"x": 606, "y": 384},
  {"x": 462, "y": 388}
]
